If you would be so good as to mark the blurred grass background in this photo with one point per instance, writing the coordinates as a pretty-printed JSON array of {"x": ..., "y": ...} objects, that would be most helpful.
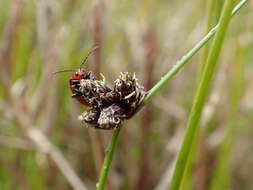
[{"x": 40, "y": 136}]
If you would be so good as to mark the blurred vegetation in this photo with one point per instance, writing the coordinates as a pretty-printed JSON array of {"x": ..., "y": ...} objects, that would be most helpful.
[{"x": 44, "y": 146}]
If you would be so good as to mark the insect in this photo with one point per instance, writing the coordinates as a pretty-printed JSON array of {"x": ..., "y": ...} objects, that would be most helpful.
[
  {"x": 77, "y": 75},
  {"x": 109, "y": 106},
  {"x": 74, "y": 84}
]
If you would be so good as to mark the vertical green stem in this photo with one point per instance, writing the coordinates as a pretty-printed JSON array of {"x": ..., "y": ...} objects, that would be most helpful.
[
  {"x": 162, "y": 83},
  {"x": 186, "y": 178},
  {"x": 210, "y": 9},
  {"x": 201, "y": 96},
  {"x": 108, "y": 160},
  {"x": 209, "y": 23},
  {"x": 177, "y": 67}
]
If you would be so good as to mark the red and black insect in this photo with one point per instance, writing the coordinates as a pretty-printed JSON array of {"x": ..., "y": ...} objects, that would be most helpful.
[
  {"x": 74, "y": 84},
  {"x": 76, "y": 77},
  {"x": 108, "y": 106}
]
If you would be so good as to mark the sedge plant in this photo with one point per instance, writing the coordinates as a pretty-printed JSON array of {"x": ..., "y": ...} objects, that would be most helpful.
[
  {"x": 211, "y": 9},
  {"x": 201, "y": 96},
  {"x": 162, "y": 83}
]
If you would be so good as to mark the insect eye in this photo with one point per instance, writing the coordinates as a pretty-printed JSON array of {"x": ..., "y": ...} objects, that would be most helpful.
[{"x": 76, "y": 74}]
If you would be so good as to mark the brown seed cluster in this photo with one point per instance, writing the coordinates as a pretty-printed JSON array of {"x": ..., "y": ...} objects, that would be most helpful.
[{"x": 110, "y": 106}]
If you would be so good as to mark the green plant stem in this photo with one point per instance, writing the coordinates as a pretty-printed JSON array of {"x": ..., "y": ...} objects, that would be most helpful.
[
  {"x": 166, "y": 78},
  {"x": 108, "y": 160},
  {"x": 209, "y": 22},
  {"x": 185, "y": 181},
  {"x": 162, "y": 83},
  {"x": 201, "y": 96},
  {"x": 210, "y": 9}
]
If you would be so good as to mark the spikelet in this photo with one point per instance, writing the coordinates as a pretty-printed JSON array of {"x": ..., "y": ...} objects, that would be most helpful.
[{"x": 110, "y": 106}]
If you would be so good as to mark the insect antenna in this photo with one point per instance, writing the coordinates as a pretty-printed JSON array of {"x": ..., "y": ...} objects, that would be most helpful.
[
  {"x": 86, "y": 58},
  {"x": 62, "y": 71},
  {"x": 83, "y": 62}
]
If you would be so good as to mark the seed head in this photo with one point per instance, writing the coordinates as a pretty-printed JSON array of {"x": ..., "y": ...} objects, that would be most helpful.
[{"x": 110, "y": 106}]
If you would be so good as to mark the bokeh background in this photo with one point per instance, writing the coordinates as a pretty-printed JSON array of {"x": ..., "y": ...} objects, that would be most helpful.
[{"x": 44, "y": 146}]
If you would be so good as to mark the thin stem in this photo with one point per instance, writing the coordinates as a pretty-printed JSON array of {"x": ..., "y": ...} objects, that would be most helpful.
[
  {"x": 210, "y": 9},
  {"x": 108, "y": 160},
  {"x": 201, "y": 96},
  {"x": 166, "y": 78},
  {"x": 162, "y": 83}
]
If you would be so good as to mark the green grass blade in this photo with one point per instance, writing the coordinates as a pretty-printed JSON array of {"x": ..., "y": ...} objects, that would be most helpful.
[
  {"x": 210, "y": 20},
  {"x": 162, "y": 83},
  {"x": 209, "y": 23},
  {"x": 176, "y": 68},
  {"x": 108, "y": 160},
  {"x": 201, "y": 96}
]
